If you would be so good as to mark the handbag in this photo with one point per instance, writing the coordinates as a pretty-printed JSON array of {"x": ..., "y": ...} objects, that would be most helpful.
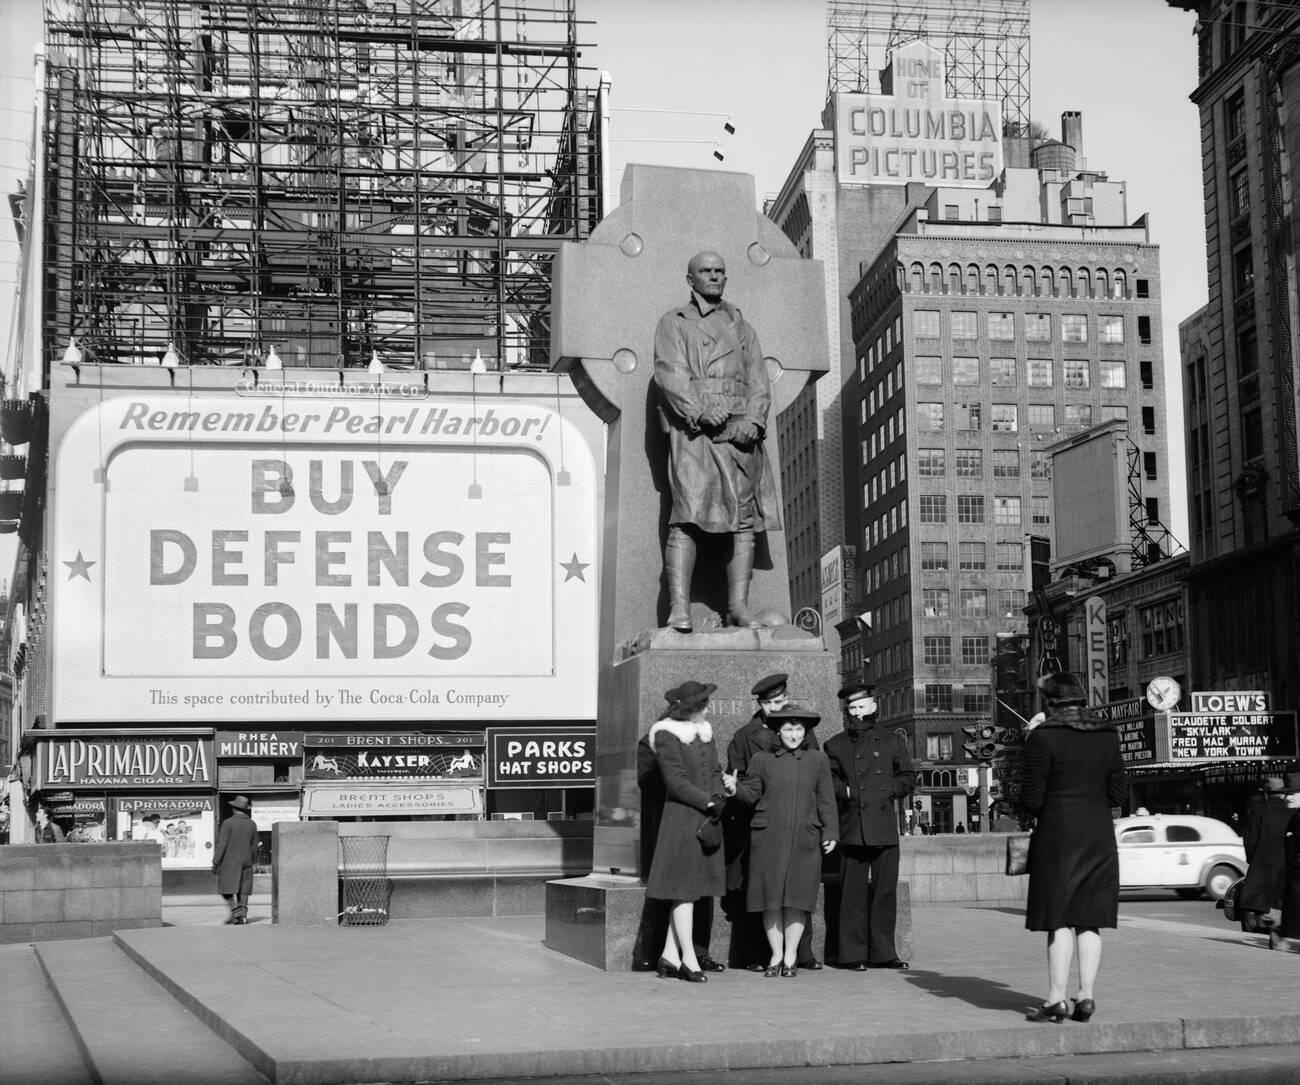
[
  {"x": 1018, "y": 853},
  {"x": 709, "y": 834}
]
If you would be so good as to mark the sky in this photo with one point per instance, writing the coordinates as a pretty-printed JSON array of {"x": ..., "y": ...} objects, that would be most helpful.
[{"x": 681, "y": 68}]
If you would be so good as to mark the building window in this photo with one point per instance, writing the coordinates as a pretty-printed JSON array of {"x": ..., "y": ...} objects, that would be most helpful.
[
  {"x": 1074, "y": 328},
  {"x": 1040, "y": 465},
  {"x": 1142, "y": 288},
  {"x": 930, "y": 463},
  {"x": 934, "y": 557},
  {"x": 938, "y": 697},
  {"x": 1078, "y": 415},
  {"x": 1110, "y": 329},
  {"x": 1252, "y": 433},
  {"x": 974, "y": 602},
  {"x": 1038, "y": 327},
  {"x": 971, "y": 557},
  {"x": 934, "y": 508},
  {"x": 1011, "y": 557},
  {"x": 1001, "y": 326},
  {"x": 1239, "y": 194},
  {"x": 936, "y": 651},
  {"x": 1247, "y": 352},
  {"x": 1075, "y": 374},
  {"x": 965, "y": 371},
  {"x": 1004, "y": 418},
  {"x": 1042, "y": 511},
  {"x": 938, "y": 747},
  {"x": 934, "y": 602},
  {"x": 994, "y": 213},
  {"x": 929, "y": 370},
  {"x": 1144, "y": 330},
  {"x": 1162, "y": 628},
  {"x": 1002, "y": 372},
  {"x": 966, "y": 416},
  {"x": 977, "y": 697},
  {"x": 1150, "y": 470},
  {"x": 974, "y": 651},
  {"x": 970, "y": 508},
  {"x": 1006, "y": 511},
  {"x": 1235, "y": 110},
  {"x": 1039, "y": 372},
  {"x": 1113, "y": 375},
  {"x": 970, "y": 463},
  {"x": 925, "y": 323},
  {"x": 965, "y": 325},
  {"x": 1243, "y": 271},
  {"x": 1011, "y": 602},
  {"x": 1006, "y": 464},
  {"x": 929, "y": 416}
]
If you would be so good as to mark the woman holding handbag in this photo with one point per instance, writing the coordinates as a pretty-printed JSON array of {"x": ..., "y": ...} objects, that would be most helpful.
[
  {"x": 1073, "y": 776},
  {"x": 795, "y": 822},
  {"x": 688, "y": 863}
]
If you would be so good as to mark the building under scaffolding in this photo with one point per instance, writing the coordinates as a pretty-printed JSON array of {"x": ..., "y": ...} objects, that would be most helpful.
[
  {"x": 985, "y": 44},
  {"x": 329, "y": 179}
]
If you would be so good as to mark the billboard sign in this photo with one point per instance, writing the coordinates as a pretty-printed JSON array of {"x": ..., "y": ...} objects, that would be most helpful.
[
  {"x": 1226, "y": 736},
  {"x": 917, "y": 133},
  {"x": 1135, "y": 723},
  {"x": 324, "y": 559},
  {"x": 87, "y": 759},
  {"x": 536, "y": 757}
]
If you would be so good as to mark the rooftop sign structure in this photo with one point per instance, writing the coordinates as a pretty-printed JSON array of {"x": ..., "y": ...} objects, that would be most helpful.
[{"x": 917, "y": 133}]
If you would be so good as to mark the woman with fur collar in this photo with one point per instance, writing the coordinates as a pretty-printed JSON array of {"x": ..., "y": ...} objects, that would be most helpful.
[{"x": 683, "y": 870}]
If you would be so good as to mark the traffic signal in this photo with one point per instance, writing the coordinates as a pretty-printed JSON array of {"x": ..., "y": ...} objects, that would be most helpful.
[
  {"x": 1012, "y": 687},
  {"x": 981, "y": 742}
]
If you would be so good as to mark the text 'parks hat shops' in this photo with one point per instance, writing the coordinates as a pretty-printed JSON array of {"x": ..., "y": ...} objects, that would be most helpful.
[
  {"x": 771, "y": 686},
  {"x": 856, "y": 690},
  {"x": 793, "y": 713}
]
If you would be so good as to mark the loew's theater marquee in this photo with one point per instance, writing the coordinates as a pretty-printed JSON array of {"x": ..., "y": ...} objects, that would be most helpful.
[
  {"x": 914, "y": 132},
  {"x": 293, "y": 557}
]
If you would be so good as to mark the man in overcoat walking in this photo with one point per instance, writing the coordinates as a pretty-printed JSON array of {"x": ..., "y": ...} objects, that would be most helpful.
[
  {"x": 872, "y": 769},
  {"x": 233, "y": 859}
]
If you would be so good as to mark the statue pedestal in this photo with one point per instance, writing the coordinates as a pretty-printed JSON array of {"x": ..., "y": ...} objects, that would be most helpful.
[{"x": 596, "y": 918}]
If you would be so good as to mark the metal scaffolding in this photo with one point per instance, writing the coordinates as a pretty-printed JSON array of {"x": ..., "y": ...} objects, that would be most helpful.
[
  {"x": 985, "y": 44},
  {"x": 334, "y": 179}
]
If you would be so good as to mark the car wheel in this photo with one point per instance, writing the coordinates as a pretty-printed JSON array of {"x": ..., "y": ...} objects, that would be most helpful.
[
  {"x": 1190, "y": 894},
  {"x": 1219, "y": 880}
]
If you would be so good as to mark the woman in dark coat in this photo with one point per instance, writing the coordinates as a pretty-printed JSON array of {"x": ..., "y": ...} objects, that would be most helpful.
[
  {"x": 682, "y": 870},
  {"x": 1073, "y": 775},
  {"x": 1261, "y": 892},
  {"x": 1290, "y": 925},
  {"x": 795, "y": 822}
]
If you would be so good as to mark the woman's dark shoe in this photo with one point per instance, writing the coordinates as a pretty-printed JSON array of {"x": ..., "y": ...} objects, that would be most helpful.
[
  {"x": 1083, "y": 1009},
  {"x": 1055, "y": 1013},
  {"x": 788, "y": 971},
  {"x": 772, "y": 970},
  {"x": 666, "y": 971},
  {"x": 686, "y": 974},
  {"x": 708, "y": 964}
]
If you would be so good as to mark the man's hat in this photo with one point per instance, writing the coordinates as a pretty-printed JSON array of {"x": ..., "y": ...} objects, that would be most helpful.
[
  {"x": 771, "y": 686},
  {"x": 240, "y": 802},
  {"x": 855, "y": 690},
  {"x": 690, "y": 695},
  {"x": 1273, "y": 785},
  {"x": 793, "y": 712}
]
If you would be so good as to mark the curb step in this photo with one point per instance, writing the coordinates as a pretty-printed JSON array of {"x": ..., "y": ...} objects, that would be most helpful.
[{"x": 129, "y": 1029}]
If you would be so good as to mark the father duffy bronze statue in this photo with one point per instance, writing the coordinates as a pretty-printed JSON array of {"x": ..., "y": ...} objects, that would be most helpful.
[{"x": 715, "y": 396}]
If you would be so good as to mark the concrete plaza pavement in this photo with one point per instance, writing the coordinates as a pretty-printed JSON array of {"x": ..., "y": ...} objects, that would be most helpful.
[{"x": 483, "y": 999}]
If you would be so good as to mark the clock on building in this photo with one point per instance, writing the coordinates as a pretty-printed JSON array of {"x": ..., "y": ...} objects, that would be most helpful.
[{"x": 1163, "y": 694}]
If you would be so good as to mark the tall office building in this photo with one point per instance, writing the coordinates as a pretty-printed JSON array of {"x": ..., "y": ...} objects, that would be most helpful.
[
  {"x": 992, "y": 295},
  {"x": 1239, "y": 354}
]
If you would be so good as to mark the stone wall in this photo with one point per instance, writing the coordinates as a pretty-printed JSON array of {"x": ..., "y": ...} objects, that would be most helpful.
[
  {"x": 78, "y": 890},
  {"x": 962, "y": 868}
]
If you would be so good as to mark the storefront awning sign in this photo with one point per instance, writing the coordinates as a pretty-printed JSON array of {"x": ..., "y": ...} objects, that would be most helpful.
[
  {"x": 381, "y": 799},
  {"x": 454, "y": 756},
  {"x": 268, "y": 745},
  {"x": 1135, "y": 722},
  {"x": 535, "y": 757},
  {"x": 83, "y": 759}
]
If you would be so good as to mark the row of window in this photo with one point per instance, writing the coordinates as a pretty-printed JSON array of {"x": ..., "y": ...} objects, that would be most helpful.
[
  {"x": 939, "y": 698},
  {"x": 969, "y": 463},
  {"x": 1005, "y": 417},
  {"x": 933, "y": 509},
  {"x": 937, "y": 651},
  {"x": 972, "y": 602},
  {"x": 884, "y": 481},
  {"x": 1076, "y": 373},
  {"x": 888, "y": 523},
  {"x": 1001, "y": 327},
  {"x": 972, "y": 557},
  {"x": 1026, "y": 281}
]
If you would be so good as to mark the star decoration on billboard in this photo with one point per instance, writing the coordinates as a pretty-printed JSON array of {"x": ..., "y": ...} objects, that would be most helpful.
[
  {"x": 79, "y": 566},
  {"x": 573, "y": 569}
]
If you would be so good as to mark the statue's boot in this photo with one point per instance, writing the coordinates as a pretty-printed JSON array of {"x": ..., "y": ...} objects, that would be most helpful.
[
  {"x": 740, "y": 569},
  {"x": 679, "y": 566}
]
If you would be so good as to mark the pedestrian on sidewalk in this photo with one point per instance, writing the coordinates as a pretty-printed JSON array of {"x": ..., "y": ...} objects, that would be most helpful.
[
  {"x": 1073, "y": 776},
  {"x": 47, "y": 829},
  {"x": 793, "y": 825},
  {"x": 1261, "y": 893},
  {"x": 872, "y": 770},
  {"x": 233, "y": 859},
  {"x": 688, "y": 861},
  {"x": 1279, "y": 937}
]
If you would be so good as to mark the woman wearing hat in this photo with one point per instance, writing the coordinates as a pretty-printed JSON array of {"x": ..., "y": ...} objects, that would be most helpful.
[
  {"x": 1279, "y": 936},
  {"x": 1261, "y": 892},
  {"x": 683, "y": 869},
  {"x": 1073, "y": 775},
  {"x": 794, "y": 823}
]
